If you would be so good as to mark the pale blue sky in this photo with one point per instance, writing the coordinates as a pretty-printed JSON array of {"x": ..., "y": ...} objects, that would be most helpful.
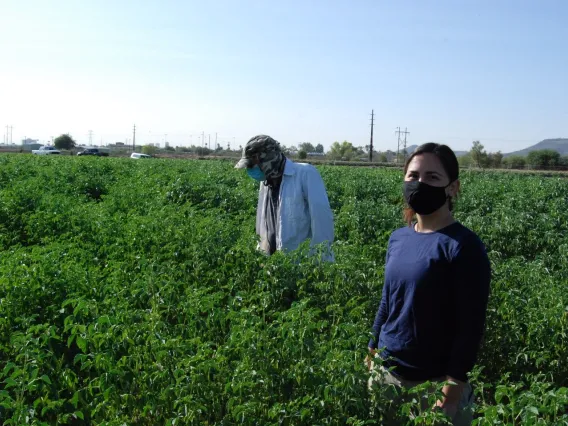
[{"x": 449, "y": 70}]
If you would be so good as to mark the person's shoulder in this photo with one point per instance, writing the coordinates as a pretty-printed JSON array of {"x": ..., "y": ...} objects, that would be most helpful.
[
  {"x": 305, "y": 170},
  {"x": 305, "y": 167},
  {"x": 464, "y": 234},
  {"x": 402, "y": 232},
  {"x": 466, "y": 238}
]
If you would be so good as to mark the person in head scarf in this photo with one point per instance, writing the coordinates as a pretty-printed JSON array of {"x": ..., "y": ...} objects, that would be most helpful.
[{"x": 293, "y": 204}]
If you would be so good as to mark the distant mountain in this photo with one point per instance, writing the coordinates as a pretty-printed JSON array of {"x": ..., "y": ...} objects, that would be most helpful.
[{"x": 560, "y": 145}]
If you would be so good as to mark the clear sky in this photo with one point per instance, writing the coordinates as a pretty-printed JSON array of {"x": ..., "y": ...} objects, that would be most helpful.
[{"x": 450, "y": 71}]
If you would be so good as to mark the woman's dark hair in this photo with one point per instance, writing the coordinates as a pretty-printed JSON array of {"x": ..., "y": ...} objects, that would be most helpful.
[{"x": 449, "y": 162}]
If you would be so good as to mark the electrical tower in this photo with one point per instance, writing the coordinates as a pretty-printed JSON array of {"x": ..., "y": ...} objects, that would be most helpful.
[
  {"x": 401, "y": 143},
  {"x": 134, "y": 139},
  {"x": 404, "y": 152},
  {"x": 90, "y": 138},
  {"x": 371, "y": 144}
]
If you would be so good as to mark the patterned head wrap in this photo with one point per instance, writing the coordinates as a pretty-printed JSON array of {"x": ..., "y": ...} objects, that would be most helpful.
[{"x": 269, "y": 153}]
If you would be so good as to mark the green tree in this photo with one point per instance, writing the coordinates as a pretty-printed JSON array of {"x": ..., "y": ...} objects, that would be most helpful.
[
  {"x": 149, "y": 149},
  {"x": 288, "y": 150},
  {"x": 465, "y": 160},
  {"x": 543, "y": 159},
  {"x": 341, "y": 151},
  {"x": 478, "y": 154},
  {"x": 65, "y": 141},
  {"x": 381, "y": 157},
  {"x": 495, "y": 159},
  {"x": 359, "y": 150},
  {"x": 515, "y": 162},
  {"x": 302, "y": 155},
  {"x": 201, "y": 150},
  {"x": 307, "y": 146},
  {"x": 319, "y": 148}
]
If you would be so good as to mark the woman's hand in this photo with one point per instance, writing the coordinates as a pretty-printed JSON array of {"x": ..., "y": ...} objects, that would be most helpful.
[
  {"x": 452, "y": 395},
  {"x": 369, "y": 358},
  {"x": 449, "y": 409}
]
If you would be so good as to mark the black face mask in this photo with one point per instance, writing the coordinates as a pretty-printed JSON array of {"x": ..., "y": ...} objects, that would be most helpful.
[{"x": 423, "y": 198}]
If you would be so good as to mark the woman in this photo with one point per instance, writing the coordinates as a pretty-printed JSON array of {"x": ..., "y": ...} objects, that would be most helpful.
[{"x": 433, "y": 306}]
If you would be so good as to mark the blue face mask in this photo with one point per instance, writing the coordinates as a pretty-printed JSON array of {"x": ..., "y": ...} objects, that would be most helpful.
[{"x": 256, "y": 173}]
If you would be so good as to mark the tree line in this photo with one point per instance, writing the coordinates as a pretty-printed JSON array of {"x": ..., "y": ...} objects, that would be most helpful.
[
  {"x": 543, "y": 159},
  {"x": 476, "y": 157}
]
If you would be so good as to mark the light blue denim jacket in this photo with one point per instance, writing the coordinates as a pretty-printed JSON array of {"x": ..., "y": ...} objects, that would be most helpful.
[{"x": 303, "y": 211}]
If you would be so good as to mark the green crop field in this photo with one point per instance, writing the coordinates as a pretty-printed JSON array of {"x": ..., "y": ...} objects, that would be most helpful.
[{"x": 131, "y": 293}]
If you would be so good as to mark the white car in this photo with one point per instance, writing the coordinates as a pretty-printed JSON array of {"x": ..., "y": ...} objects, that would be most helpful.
[
  {"x": 136, "y": 155},
  {"x": 46, "y": 150}
]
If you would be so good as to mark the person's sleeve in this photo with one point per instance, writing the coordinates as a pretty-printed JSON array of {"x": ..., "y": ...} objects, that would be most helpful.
[
  {"x": 321, "y": 216},
  {"x": 382, "y": 314},
  {"x": 473, "y": 270},
  {"x": 259, "y": 210}
]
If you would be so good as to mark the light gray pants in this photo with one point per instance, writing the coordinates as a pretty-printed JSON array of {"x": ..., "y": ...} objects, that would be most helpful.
[{"x": 382, "y": 376}]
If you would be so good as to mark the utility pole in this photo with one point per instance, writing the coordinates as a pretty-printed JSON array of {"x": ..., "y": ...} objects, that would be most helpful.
[
  {"x": 90, "y": 138},
  {"x": 209, "y": 141},
  {"x": 134, "y": 139},
  {"x": 372, "y": 125},
  {"x": 401, "y": 143},
  {"x": 405, "y": 133},
  {"x": 216, "y": 141}
]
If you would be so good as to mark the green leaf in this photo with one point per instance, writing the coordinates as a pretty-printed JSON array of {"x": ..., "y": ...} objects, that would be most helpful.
[
  {"x": 533, "y": 410},
  {"x": 82, "y": 343},
  {"x": 10, "y": 383},
  {"x": 45, "y": 379}
]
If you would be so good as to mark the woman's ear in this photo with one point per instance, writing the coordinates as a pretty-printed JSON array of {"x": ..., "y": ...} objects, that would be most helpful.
[{"x": 454, "y": 188}]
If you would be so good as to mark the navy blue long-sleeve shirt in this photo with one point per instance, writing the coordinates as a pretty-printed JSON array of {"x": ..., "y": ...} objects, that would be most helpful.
[{"x": 432, "y": 312}]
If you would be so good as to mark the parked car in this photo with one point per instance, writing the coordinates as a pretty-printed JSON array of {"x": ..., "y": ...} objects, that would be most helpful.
[
  {"x": 46, "y": 150},
  {"x": 136, "y": 155},
  {"x": 93, "y": 151}
]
